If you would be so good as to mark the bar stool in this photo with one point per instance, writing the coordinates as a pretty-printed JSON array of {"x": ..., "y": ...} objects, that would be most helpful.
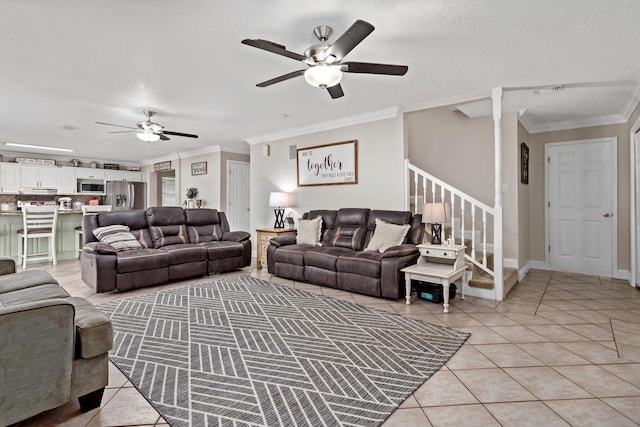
[
  {"x": 88, "y": 210},
  {"x": 38, "y": 222}
]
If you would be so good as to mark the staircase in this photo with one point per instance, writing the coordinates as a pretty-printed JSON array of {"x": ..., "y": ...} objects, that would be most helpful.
[{"x": 476, "y": 224}]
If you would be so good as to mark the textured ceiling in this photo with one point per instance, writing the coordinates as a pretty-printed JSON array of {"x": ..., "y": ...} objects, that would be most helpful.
[{"x": 71, "y": 63}]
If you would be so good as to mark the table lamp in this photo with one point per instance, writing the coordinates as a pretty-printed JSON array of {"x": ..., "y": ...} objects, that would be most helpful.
[
  {"x": 436, "y": 214},
  {"x": 280, "y": 200}
]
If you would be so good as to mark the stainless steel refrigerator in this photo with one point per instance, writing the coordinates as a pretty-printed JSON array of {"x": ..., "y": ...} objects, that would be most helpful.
[{"x": 125, "y": 195}]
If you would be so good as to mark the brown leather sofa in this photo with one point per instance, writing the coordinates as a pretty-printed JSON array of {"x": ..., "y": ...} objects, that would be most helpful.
[
  {"x": 341, "y": 261},
  {"x": 176, "y": 244}
]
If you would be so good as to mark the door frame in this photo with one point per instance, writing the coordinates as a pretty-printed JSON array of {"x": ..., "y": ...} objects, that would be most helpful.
[
  {"x": 634, "y": 279},
  {"x": 614, "y": 191}
]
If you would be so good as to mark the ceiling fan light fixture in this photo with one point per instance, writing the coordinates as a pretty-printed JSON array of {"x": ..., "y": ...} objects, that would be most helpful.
[
  {"x": 323, "y": 75},
  {"x": 147, "y": 136}
]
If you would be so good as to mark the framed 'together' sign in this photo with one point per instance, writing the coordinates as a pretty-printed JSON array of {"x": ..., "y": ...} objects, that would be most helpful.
[{"x": 330, "y": 164}]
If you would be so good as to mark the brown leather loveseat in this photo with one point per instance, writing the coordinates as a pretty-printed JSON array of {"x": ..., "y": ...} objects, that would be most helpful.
[
  {"x": 174, "y": 244},
  {"x": 340, "y": 261}
]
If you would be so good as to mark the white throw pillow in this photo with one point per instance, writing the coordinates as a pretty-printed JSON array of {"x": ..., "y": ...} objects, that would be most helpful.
[
  {"x": 387, "y": 235},
  {"x": 117, "y": 236},
  {"x": 309, "y": 231}
]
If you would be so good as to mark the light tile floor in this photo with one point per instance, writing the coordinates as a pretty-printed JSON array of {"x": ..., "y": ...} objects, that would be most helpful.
[{"x": 561, "y": 349}]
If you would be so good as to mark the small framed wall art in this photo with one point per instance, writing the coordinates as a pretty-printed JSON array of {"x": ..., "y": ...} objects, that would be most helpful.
[{"x": 199, "y": 168}]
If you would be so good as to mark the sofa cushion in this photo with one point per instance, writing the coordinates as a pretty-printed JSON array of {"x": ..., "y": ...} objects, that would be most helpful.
[
  {"x": 188, "y": 252},
  {"x": 350, "y": 229},
  {"x": 223, "y": 249},
  {"x": 203, "y": 225},
  {"x": 292, "y": 254},
  {"x": 118, "y": 236},
  {"x": 324, "y": 258},
  {"x": 387, "y": 235},
  {"x": 142, "y": 259},
  {"x": 167, "y": 225},
  {"x": 364, "y": 263},
  {"x": 32, "y": 294},
  {"x": 309, "y": 231},
  {"x": 350, "y": 237},
  {"x": 94, "y": 332},
  {"x": 165, "y": 235},
  {"x": 135, "y": 220}
]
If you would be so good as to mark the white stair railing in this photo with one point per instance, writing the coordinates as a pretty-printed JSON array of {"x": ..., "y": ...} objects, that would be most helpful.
[{"x": 474, "y": 217}]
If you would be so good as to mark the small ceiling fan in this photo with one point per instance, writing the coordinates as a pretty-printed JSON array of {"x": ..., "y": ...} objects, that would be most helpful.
[
  {"x": 324, "y": 61},
  {"x": 149, "y": 131}
]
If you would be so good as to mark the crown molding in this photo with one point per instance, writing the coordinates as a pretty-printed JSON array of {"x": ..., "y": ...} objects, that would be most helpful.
[
  {"x": 373, "y": 116},
  {"x": 632, "y": 97},
  {"x": 206, "y": 150},
  {"x": 575, "y": 124},
  {"x": 443, "y": 102}
]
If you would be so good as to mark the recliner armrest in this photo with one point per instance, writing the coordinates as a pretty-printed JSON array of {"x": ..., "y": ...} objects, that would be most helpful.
[
  {"x": 100, "y": 248},
  {"x": 7, "y": 265},
  {"x": 236, "y": 236},
  {"x": 400, "y": 250},
  {"x": 37, "y": 350},
  {"x": 283, "y": 240}
]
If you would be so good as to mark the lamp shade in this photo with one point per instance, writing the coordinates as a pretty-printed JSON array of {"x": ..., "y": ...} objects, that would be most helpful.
[
  {"x": 436, "y": 213},
  {"x": 323, "y": 75},
  {"x": 280, "y": 199}
]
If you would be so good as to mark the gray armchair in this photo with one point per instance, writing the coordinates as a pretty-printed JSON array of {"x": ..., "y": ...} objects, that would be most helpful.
[{"x": 53, "y": 347}]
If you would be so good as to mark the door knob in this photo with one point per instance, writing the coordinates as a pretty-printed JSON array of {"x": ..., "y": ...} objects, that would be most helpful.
[{"x": 606, "y": 215}]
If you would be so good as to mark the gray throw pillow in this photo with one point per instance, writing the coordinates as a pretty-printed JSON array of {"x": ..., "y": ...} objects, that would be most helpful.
[
  {"x": 309, "y": 231},
  {"x": 117, "y": 236},
  {"x": 387, "y": 235}
]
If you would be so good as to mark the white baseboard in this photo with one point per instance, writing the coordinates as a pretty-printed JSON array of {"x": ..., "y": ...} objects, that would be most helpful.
[
  {"x": 510, "y": 263},
  {"x": 523, "y": 271},
  {"x": 537, "y": 265},
  {"x": 622, "y": 274}
]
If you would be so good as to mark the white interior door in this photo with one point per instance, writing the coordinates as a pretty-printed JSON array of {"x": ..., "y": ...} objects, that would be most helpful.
[
  {"x": 238, "y": 195},
  {"x": 581, "y": 201}
]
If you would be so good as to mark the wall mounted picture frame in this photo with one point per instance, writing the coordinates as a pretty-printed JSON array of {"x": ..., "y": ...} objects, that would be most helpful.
[
  {"x": 524, "y": 163},
  {"x": 199, "y": 168},
  {"x": 162, "y": 166},
  {"x": 329, "y": 164}
]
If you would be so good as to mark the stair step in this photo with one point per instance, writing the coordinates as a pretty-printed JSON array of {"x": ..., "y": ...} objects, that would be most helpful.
[{"x": 483, "y": 280}]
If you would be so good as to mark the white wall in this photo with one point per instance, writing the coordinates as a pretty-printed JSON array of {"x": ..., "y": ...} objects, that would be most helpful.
[
  {"x": 380, "y": 172},
  {"x": 208, "y": 185}
]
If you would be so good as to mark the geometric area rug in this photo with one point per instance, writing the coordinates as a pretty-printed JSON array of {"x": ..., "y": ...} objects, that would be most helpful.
[{"x": 246, "y": 352}]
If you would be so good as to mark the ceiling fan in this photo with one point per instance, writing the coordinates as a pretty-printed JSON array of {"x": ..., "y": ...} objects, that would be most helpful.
[
  {"x": 324, "y": 61},
  {"x": 149, "y": 131}
]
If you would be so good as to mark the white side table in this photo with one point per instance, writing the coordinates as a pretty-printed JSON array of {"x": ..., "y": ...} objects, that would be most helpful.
[{"x": 438, "y": 272}]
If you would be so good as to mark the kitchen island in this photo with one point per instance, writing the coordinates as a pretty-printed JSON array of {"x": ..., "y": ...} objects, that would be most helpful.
[{"x": 11, "y": 222}]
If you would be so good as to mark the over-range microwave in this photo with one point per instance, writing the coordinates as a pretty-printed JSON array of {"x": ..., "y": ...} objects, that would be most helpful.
[{"x": 90, "y": 186}]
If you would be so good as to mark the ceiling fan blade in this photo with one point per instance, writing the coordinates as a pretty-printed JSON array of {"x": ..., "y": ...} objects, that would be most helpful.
[
  {"x": 370, "y": 68},
  {"x": 186, "y": 135},
  {"x": 164, "y": 138},
  {"x": 273, "y": 48},
  {"x": 350, "y": 39},
  {"x": 335, "y": 91},
  {"x": 281, "y": 78},
  {"x": 111, "y": 124},
  {"x": 122, "y": 131}
]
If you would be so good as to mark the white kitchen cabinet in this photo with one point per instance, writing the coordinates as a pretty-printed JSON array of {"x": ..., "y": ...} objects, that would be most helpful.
[
  {"x": 66, "y": 180},
  {"x": 89, "y": 173},
  {"x": 118, "y": 175},
  {"x": 38, "y": 176},
  {"x": 9, "y": 178}
]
